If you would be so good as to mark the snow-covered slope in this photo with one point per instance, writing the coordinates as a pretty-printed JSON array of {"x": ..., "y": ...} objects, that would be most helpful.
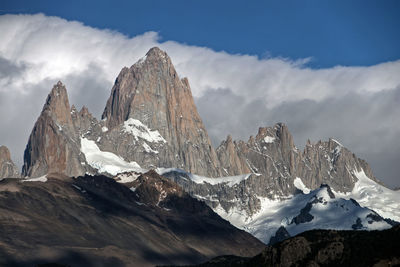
[
  {"x": 319, "y": 209},
  {"x": 322, "y": 208},
  {"x": 375, "y": 196},
  {"x": 106, "y": 162}
]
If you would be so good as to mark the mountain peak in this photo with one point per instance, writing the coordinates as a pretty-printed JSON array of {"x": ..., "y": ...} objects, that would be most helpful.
[
  {"x": 49, "y": 148},
  {"x": 151, "y": 92},
  {"x": 84, "y": 111},
  {"x": 58, "y": 92},
  {"x": 156, "y": 51},
  {"x": 4, "y": 153},
  {"x": 7, "y": 166},
  {"x": 57, "y": 104},
  {"x": 154, "y": 59},
  {"x": 150, "y": 78}
]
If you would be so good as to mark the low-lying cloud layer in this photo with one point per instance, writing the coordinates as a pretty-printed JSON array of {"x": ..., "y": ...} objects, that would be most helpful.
[{"x": 234, "y": 93}]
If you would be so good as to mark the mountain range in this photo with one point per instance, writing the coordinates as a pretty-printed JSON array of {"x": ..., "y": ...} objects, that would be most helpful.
[{"x": 150, "y": 154}]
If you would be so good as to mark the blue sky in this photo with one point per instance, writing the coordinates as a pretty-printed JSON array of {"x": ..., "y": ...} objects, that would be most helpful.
[{"x": 348, "y": 33}]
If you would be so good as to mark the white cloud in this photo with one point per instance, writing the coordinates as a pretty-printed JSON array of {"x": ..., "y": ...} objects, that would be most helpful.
[{"x": 36, "y": 51}]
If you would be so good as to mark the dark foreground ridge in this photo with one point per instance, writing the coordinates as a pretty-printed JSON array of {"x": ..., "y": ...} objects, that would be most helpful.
[
  {"x": 96, "y": 221},
  {"x": 325, "y": 248}
]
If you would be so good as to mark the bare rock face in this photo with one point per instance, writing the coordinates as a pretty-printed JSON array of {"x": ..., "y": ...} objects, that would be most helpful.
[
  {"x": 85, "y": 124},
  {"x": 7, "y": 167},
  {"x": 273, "y": 155},
  {"x": 330, "y": 163},
  {"x": 231, "y": 159},
  {"x": 150, "y": 97},
  {"x": 272, "y": 160},
  {"x": 53, "y": 145}
]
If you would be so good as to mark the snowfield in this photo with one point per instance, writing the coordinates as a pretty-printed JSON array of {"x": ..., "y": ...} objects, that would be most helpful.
[
  {"x": 106, "y": 162},
  {"x": 298, "y": 183},
  {"x": 126, "y": 177},
  {"x": 372, "y": 195},
  {"x": 139, "y": 130},
  {"x": 338, "y": 213},
  {"x": 229, "y": 180},
  {"x": 329, "y": 213},
  {"x": 269, "y": 139}
]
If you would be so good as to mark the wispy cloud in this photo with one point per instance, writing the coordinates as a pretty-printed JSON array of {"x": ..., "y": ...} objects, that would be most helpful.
[{"x": 235, "y": 93}]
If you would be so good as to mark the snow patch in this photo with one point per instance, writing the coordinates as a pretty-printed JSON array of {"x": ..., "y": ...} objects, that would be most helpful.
[
  {"x": 139, "y": 130},
  {"x": 141, "y": 60},
  {"x": 106, "y": 162},
  {"x": 126, "y": 177},
  {"x": 269, "y": 139},
  {"x": 42, "y": 179},
  {"x": 298, "y": 183},
  {"x": 59, "y": 127},
  {"x": 336, "y": 141},
  {"x": 104, "y": 129},
  {"x": 229, "y": 180},
  {"x": 162, "y": 171},
  {"x": 148, "y": 149}
]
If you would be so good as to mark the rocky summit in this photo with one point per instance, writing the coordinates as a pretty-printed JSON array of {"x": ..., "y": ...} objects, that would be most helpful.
[
  {"x": 272, "y": 155},
  {"x": 151, "y": 93},
  {"x": 52, "y": 145},
  {"x": 7, "y": 166}
]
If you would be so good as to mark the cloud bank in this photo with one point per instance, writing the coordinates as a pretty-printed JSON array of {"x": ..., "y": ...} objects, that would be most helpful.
[{"x": 234, "y": 93}]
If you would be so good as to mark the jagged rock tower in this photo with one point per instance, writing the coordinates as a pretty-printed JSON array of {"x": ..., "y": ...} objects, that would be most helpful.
[
  {"x": 7, "y": 166},
  {"x": 273, "y": 155},
  {"x": 51, "y": 147},
  {"x": 151, "y": 93},
  {"x": 150, "y": 118}
]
